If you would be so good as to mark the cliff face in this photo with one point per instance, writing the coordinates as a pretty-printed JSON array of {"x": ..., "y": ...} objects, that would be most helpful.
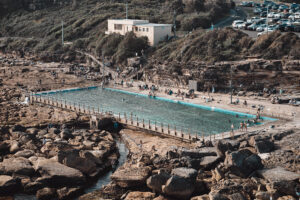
[{"x": 7, "y": 6}]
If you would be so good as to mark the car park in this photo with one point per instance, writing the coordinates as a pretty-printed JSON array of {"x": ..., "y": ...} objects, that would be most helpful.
[{"x": 236, "y": 23}]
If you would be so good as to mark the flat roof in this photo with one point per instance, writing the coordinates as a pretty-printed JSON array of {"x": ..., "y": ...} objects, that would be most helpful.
[{"x": 151, "y": 24}]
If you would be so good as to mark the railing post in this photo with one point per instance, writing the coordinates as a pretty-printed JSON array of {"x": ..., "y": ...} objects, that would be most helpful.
[
  {"x": 131, "y": 121},
  {"x": 162, "y": 127},
  {"x": 125, "y": 118},
  {"x": 175, "y": 130},
  {"x": 181, "y": 132},
  {"x": 143, "y": 124},
  {"x": 137, "y": 121},
  {"x": 149, "y": 125},
  {"x": 155, "y": 128},
  {"x": 168, "y": 129}
]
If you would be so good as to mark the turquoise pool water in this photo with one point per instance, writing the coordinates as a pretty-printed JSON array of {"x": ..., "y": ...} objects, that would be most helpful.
[{"x": 189, "y": 117}]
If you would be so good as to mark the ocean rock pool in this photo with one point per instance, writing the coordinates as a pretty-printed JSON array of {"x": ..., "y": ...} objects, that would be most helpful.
[{"x": 188, "y": 117}]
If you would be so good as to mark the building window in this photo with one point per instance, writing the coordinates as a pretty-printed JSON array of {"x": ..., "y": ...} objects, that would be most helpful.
[
  {"x": 143, "y": 29},
  {"x": 118, "y": 26},
  {"x": 140, "y": 29},
  {"x": 147, "y": 29},
  {"x": 136, "y": 29}
]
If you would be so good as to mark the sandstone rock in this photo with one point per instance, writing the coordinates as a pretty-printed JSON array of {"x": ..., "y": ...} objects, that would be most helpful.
[
  {"x": 198, "y": 153},
  {"x": 73, "y": 160},
  {"x": 46, "y": 194},
  {"x": 217, "y": 174},
  {"x": 223, "y": 146},
  {"x": 202, "y": 197},
  {"x": 186, "y": 173},
  {"x": 19, "y": 165},
  {"x": 140, "y": 196},
  {"x": 131, "y": 177},
  {"x": 209, "y": 162},
  {"x": 156, "y": 182},
  {"x": 25, "y": 153},
  {"x": 14, "y": 147},
  {"x": 68, "y": 193},
  {"x": 66, "y": 134},
  {"x": 242, "y": 162},
  {"x": 8, "y": 185},
  {"x": 178, "y": 187},
  {"x": 59, "y": 174},
  {"x": 262, "y": 195},
  {"x": 286, "y": 198},
  {"x": 217, "y": 196}
]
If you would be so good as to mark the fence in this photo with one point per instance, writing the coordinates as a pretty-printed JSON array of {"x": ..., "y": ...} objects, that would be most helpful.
[{"x": 131, "y": 120}]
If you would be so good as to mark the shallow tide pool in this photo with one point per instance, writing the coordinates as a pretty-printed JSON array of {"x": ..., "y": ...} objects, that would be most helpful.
[{"x": 186, "y": 117}]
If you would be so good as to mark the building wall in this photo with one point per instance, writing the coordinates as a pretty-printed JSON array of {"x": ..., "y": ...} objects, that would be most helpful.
[
  {"x": 142, "y": 31},
  {"x": 160, "y": 33}
]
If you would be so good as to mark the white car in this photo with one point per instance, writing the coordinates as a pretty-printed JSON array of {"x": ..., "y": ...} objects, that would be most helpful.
[
  {"x": 261, "y": 28},
  {"x": 297, "y": 15},
  {"x": 236, "y": 23},
  {"x": 279, "y": 15},
  {"x": 271, "y": 14},
  {"x": 265, "y": 32}
]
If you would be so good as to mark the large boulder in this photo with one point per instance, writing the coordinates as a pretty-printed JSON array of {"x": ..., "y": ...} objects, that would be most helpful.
[
  {"x": 66, "y": 134},
  {"x": 72, "y": 159},
  {"x": 178, "y": 187},
  {"x": 242, "y": 162},
  {"x": 46, "y": 194},
  {"x": 19, "y": 165},
  {"x": 262, "y": 144},
  {"x": 156, "y": 181},
  {"x": 57, "y": 174},
  {"x": 210, "y": 162},
  {"x": 187, "y": 173},
  {"x": 14, "y": 147},
  {"x": 131, "y": 177},
  {"x": 223, "y": 146},
  {"x": 8, "y": 185},
  {"x": 281, "y": 180}
]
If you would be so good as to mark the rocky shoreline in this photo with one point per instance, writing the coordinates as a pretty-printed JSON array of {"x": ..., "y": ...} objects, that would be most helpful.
[
  {"x": 242, "y": 168},
  {"x": 57, "y": 162}
]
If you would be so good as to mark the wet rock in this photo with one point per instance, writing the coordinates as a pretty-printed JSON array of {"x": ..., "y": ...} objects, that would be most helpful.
[
  {"x": 156, "y": 181},
  {"x": 279, "y": 135},
  {"x": 58, "y": 174},
  {"x": 242, "y": 162},
  {"x": 209, "y": 162},
  {"x": 264, "y": 146},
  {"x": 46, "y": 194},
  {"x": 8, "y": 185},
  {"x": 131, "y": 177},
  {"x": 68, "y": 193},
  {"x": 140, "y": 195},
  {"x": 178, "y": 187},
  {"x": 19, "y": 165},
  {"x": 25, "y": 153}
]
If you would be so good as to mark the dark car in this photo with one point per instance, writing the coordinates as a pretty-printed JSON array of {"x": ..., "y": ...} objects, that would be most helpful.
[
  {"x": 297, "y": 28},
  {"x": 289, "y": 28},
  {"x": 263, "y": 14}
]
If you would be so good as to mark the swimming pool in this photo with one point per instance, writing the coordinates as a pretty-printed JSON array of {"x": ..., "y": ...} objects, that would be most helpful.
[{"x": 189, "y": 117}]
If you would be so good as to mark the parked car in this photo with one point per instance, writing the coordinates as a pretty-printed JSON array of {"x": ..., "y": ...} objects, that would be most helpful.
[
  {"x": 283, "y": 7},
  {"x": 263, "y": 14},
  {"x": 271, "y": 14},
  {"x": 257, "y": 11},
  {"x": 261, "y": 28},
  {"x": 278, "y": 15},
  {"x": 236, "y": 23},
  {"x": 289, "y": 28},
  {"x": 294, "y": 6},
  {"x": 264, "y": 32},
  {"x": 252, "y": 27}
]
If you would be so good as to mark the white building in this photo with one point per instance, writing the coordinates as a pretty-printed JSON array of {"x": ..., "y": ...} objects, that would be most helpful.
[{"x": 154, "y": 32}]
